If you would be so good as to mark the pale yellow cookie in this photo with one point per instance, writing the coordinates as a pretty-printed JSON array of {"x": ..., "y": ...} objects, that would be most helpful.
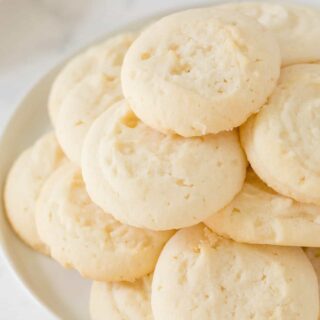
[
  {"x": 297, "y": 28},
  {"x": 84, "y": 103},
  {"x": 24, "y": 182},
  {"x": 105, "y": 58},
  {"x": 314, "y": 256},
  {"x": 200, "y": 275},
  {"x": 121, "y": 300},
  {"x": 200, "y": 71},
  {"x": 260, "y": 215},
  {"x": 84, "y": 237},
  {"x": 282, "y": 141},
  {"x": 147, "y": 179}
]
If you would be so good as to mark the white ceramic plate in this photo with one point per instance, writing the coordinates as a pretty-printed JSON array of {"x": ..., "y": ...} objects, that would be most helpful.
[{"x": 62, "y": 292}]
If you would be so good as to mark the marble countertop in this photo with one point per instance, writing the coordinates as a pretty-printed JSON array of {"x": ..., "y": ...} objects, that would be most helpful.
[{"x": 34, "y": 36}]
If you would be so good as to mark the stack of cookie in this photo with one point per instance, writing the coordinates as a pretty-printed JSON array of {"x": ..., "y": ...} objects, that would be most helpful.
[{"x": 183, "y": 173}]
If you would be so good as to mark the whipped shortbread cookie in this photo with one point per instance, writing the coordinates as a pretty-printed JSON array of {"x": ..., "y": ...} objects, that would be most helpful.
[
  {"x": 105, "y": 58},
  {"x": 297, "y": 28},
  {"x": 200, "y": 71},
  {"x": 84, "y": 237},
  {"x": 282, "y": 141},
  {"x": 155, "y": 181},
  {"x": 84, "y": 103},
  {"x": 314, "y": 256},
  {"x": 121, "y": 300},
  {"x": 24, "y": 182},
  {"x": 260, "y": 215},
  {"x": 200, "y": 275}
]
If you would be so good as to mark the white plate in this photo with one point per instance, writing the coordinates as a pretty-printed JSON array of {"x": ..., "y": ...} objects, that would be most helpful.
[{"x": 62, "y": 292}]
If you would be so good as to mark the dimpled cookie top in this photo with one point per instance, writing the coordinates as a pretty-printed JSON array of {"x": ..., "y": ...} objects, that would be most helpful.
[
  {"x": 202, "y": 276},
  {"x": 282, "y": 141},
  {"x": 200, "y": 71},
  {"x": 121, "y": 300},
  {"x": 24, "y": 182},
  {"x": 260, "y": 215},
  {"x": 147, "y": 179},
  {"x": 297, "y": 28},
  {"x": 105, "y": 58},
  {"x": 84, "y": 237}
]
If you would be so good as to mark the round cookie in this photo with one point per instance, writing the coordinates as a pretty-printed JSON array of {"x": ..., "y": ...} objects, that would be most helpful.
[
  {"x": 84, "y": 103},
  {"x": 84, "y": 237},
  {"x": 105, "y": 58},
  {"x": 260, "y": 215},
  {"x": 121, "y": 300},
  {"x": 200, "y": 275},
  {"x": 200, "y": 71},
  {"x": 283, "y": 140},
  {"x": 24, "y": 182},
  {"x": 297, "y": 28},
  {"x": 155, "y": 181}
]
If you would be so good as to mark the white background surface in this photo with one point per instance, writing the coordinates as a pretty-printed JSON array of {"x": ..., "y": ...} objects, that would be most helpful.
[{"x": 35, "y": 35}]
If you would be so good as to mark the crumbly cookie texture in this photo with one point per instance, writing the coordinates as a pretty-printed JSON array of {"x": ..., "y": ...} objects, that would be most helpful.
[
  {"x": 200, "y": 71},
  {"x": 260, "y": 215},
  {"x": 147, "y": 179},
  {"x": 121, "y": 300},
  {"x": 84, "y": 103},
  {"x": 84, "y": 237},
  {"x": 24, "y": 182},
  {"x": 282, "y": 141},
  {"x": 200, "y": 275},
  {"x": 297, "y": 28},
  {"x": 105, "y": 58}
]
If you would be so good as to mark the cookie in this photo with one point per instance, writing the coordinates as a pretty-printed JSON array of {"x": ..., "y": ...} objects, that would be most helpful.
[
  {"x": 155, "y": 181},
  {"x": 121, "y": 300},
  {"x": 84, "y": 103},
  {"x": 314, "y": 256},
  {"x": 297, "y": 28},
  {"x": 105, "y": 58},
  {"x": 260, "y": 215},
  {"x": 282, "y": 141},
  {"x": 200, "y": 71},
  {"x": 200, "y": 275},
  {"x": 24, "y": 182},
  {"x": 84, "y": 237}
]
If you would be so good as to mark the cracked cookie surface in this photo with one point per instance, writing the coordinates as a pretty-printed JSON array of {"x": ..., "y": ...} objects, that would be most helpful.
[
  {"x": 84, "y": 237},
  {"x": 200, "y": 275},
  {"x": 147, "y": 179},
  {"x": 200, "y": 71}
]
